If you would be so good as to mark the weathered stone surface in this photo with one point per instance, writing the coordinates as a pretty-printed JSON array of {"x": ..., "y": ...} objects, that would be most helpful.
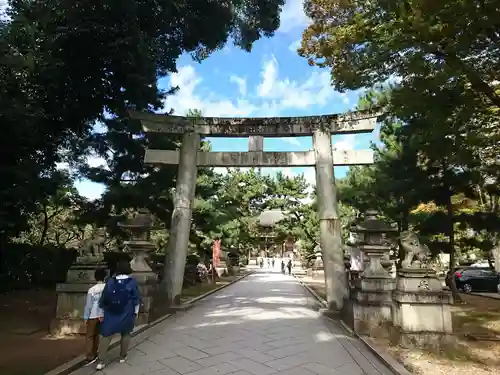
[
  {"x": 417, "y": 317},
  {"x": 71, "y": 297},
  {"x": 329, "y": 223},
  {"x": 83, "y": 273},
  {"x": 256, "y": 143},
  {"x": 371, "y": 306},
  {"x": 372, "y": 319},
  {"x": 262, "y": 159},
  {"x": 178, "y": 241},
  {"x": 376, "y": 284},
  {"x": 421, "y": 311},
  {"x": 352, "y": 157},
  {"x": 350, "y": 123}
]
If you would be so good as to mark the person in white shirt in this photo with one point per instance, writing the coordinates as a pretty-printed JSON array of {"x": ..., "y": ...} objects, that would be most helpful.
[{"x": 94, "y": 315}]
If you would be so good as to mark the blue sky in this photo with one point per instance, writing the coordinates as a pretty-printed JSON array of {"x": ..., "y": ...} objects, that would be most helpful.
[{"x": 272, "y": 80}]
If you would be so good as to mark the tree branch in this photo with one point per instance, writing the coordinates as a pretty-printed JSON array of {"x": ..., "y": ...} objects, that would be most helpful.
[{"x": 477, "y": 83}]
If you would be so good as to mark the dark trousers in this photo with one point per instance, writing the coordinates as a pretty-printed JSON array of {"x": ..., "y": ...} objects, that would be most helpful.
[
  {"x": 124, "y": 344},
  {"x": 92, "y": 338}
]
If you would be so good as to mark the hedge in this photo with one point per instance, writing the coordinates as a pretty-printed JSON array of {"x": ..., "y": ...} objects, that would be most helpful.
[{"x": 25, "y": 266}]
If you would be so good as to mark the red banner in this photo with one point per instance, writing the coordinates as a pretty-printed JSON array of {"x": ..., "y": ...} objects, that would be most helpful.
[{"x": 216, "y": 252}]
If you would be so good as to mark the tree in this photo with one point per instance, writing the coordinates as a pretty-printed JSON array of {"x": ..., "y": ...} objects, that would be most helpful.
[
  {"x": 368, "y": 42},
  {"x": 301, "y": 222},
  {"x": 54, "y": 91},
  {"x": 241, "y": 199},
  {"x": 55, "y": 224}
]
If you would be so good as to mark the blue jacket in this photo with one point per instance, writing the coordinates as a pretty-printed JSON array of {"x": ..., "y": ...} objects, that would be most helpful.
[{"x": 123, "y": 322}]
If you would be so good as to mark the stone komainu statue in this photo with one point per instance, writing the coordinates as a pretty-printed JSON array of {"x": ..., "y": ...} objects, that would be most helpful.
[
  {"x": 93, "y": 246},
  {"x": 416, "y": 254}
]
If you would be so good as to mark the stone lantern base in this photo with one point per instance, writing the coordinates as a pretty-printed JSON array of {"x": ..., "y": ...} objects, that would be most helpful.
[
  {"x": 148, "y": 288},
  {"x": 421, "y": 311},
  {"x": 71, "y": 297},
  {"x": 371, "y": 305},
  {"x": 147, "y": 279}
]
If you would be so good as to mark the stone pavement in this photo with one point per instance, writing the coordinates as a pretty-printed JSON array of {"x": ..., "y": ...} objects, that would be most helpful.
[{"x": 264, "y": 324}]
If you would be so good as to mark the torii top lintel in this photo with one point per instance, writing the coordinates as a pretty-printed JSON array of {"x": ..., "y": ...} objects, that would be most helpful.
[{"x": 347, "y": 123}]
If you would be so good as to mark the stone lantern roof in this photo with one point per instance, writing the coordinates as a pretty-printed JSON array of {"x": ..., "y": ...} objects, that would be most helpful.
[{"x": 370, "y": 223}]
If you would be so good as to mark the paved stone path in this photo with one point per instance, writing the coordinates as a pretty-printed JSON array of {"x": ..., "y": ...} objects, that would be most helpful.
[{"x": 262, "y": 325}]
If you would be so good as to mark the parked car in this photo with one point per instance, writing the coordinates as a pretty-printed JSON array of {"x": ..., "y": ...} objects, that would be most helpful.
[{"x": 475, "y": 279}]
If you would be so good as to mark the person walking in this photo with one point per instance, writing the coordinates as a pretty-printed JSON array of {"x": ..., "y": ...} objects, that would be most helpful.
[
  {"x": 93, "y": 315},
  {"x": 120, "y": 301},
  {"x": 282, "y": 266},
  {"x": 272, "y": 262},
  {"x": 289, "y": 266}
]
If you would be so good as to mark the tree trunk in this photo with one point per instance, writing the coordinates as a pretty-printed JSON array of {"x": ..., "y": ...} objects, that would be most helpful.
[
  {"x": 496, "y": 256},
  {"x": 402, "y": 226},
  {"x": 45, "y": 225},
  {"x": 451, "y": 236}
]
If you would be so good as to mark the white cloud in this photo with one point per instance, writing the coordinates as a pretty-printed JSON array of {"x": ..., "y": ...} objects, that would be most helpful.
[
  {"x": 269, "y": 97},
  {"x": 241, "y": 82},
  {"x": 315, "y": 90},
  {"x": 293, "y": 16},
  {"x": 294, "y": 46},
  {"x": 269, "y": 76},
  {"x": 190, "y": 96},
  {"x": 310, "y": 176},
  {"x": 344, "y": 142},
  {"x": 4, "y": 4}
]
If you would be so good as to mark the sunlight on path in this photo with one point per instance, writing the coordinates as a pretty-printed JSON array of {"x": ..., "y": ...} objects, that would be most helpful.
[{"x": 261, "y": 325}]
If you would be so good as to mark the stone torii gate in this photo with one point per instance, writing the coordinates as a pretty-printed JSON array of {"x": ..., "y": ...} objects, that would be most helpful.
[{"x": 323, "y": 158}]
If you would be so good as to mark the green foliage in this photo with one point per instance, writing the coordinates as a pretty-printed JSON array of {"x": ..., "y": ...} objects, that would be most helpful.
[
  {"x": 369, "y": 42},
  {"x": 24, "y": 266},
  {"x": 54, "y": 90},
  {"x": 438, "y": 67},
  {"x": 56, "y": 224}
]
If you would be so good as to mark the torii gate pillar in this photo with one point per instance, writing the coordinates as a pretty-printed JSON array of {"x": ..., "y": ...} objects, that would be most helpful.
[
  {"x": 329, "y": 222},
  {"x": 180, "y": 226}
]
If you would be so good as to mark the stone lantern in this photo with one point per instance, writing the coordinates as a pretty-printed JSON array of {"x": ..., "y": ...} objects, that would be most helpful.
[
  {"x": 140, "y": 246},
  {"x": 373, "y": 239},
  {"x": 371, "y": 297}
]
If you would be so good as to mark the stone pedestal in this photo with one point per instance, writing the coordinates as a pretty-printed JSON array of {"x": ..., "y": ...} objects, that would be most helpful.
[
  {"x": 371, "y": 297},
  {"x": 71, "y": 297},
  {"x": 148, "y": 287},
  {"x": 145, "y": 277},
  {"x": 221, "y": 268},
  {"x": 421, "y": 311},
  {"x": 371, "y": 301}
]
